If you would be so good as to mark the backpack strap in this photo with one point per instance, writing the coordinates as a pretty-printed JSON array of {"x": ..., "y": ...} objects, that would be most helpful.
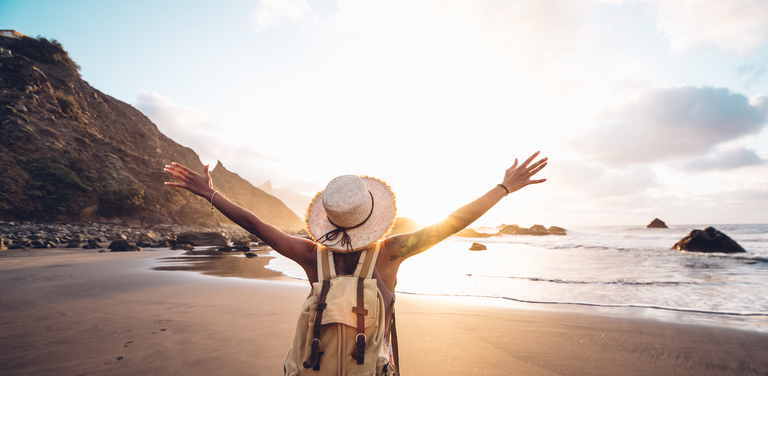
[
  {"x": 393, "y": 339},
  {"x": 324, "y": 273},
  {"x": 368, "y": 259}
]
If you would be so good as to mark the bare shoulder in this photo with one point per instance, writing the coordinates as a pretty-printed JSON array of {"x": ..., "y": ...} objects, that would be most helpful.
[{"x": 402, "y": 246}]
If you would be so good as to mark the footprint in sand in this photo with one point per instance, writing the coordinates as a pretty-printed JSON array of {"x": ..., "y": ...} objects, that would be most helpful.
[
  {"x": 127, "y": 343},
  {"x": 119, "y": 358}
]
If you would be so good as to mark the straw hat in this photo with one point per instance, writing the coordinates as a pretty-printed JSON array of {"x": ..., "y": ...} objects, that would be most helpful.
[{"x": 351, "y": 213}]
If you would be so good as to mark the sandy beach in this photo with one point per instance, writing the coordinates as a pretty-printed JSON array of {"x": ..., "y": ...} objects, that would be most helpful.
[{"x": 80, "y": 312}]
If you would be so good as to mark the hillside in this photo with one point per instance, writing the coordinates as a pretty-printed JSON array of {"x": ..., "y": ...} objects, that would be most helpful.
[{"x": 70, "y": 153}]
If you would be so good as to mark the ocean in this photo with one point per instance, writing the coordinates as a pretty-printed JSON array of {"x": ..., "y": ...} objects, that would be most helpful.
[{"x": 605, "y": 267}]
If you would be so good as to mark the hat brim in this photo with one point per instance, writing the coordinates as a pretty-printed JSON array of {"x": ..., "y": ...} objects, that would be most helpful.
[{"x": 378, "y": 226}]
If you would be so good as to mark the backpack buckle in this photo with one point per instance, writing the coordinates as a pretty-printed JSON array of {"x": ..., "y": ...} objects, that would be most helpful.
[{"x": 359, "y": 355}]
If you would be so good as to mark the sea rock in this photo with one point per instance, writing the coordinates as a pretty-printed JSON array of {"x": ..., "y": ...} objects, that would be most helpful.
[
  {"x": 122, "y": 246},
  {"x": 202, "y": 238},
  {"x": 556, "y": 230},
  {"x": 513, "y": 229},
  {"x": 250, "y": 255},
  {"x": 161, "y": 244},
  {"x": 538, "y": 230},
  {"x": 708, "y": 240},
  {"x": 73, "y": 244},
  {"x": 657, "y": 223},
  {"x": 470, "y": 233},
  {"x": 17, "y": 246},
  {"x": 477, "y": 247}
]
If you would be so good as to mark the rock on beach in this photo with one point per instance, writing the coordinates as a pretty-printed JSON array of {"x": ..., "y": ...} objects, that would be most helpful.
[{"x": 202, "y": 239}]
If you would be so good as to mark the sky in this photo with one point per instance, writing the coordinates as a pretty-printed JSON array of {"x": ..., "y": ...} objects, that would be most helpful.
[{"x": 645, "y": 108}]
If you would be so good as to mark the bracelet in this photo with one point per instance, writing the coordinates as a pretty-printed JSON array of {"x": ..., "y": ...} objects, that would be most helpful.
[
  {"x": 505, "y": 188},
  {"x": 212, "y": 195}
]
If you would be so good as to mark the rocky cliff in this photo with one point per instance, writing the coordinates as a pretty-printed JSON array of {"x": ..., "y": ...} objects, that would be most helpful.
[
  {"x": 266, "y": 206},
  {"x": 70, "y": 153}
]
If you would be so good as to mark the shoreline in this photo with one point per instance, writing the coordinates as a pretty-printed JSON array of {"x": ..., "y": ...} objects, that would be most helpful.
[{"x": 75, "y": 312}]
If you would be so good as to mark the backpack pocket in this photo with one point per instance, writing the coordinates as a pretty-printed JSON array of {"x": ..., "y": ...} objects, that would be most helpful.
[{"x": 342, "y": 298}]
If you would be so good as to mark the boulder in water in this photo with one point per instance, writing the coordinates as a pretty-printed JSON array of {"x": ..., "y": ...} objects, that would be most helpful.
[
  {"x": 513, "y": 229},
  {"x": 708, "y": 240},
  {"x": 469, "y": 232},
  {"x": 538, "y": 230},
  {"x": 477, "y": 247},
  {"x": 556, "y": 230},
  {"x": 657, "y": 223}
]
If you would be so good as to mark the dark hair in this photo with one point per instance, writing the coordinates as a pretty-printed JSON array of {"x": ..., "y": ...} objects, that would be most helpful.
[{"x": 346, "y": 263}]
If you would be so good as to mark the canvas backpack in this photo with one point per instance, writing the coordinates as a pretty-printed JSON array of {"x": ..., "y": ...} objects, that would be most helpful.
[{"x": 341, "y": 327}]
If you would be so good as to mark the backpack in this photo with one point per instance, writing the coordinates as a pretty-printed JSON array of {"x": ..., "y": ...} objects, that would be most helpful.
[{"x": 341, "y": 327}]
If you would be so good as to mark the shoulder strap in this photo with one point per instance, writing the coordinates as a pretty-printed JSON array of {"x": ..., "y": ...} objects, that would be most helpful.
[
  {"x": 367, "y": 262},
  {"x": 324, "y": 276},
  {"x": 324, "y": 269}
]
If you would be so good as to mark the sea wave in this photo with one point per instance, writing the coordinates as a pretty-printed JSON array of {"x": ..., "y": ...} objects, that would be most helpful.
[
  {"x": 602, "y": 305},
  {"x": 598, "y": 282}
]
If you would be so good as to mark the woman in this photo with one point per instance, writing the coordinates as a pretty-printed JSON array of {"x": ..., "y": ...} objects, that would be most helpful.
[{"x": 353, "y": 214}]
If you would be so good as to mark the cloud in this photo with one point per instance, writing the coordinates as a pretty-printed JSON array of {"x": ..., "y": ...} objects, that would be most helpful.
[
  {"x": 187, "y": 126},
  {"x": 752, "y": 72},
  {"x": 665, "y": 123},
  {"x": 271, "y": 13},
  {"x": 539, "y": 38},
  {"x": 737, "y": 25},
  {"x": 592, "y": 180},
  {"x": 725, "y": 159}
]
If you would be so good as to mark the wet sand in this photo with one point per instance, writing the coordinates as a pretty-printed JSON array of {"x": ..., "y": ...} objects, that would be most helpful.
[{"x": 78, "y": 312}]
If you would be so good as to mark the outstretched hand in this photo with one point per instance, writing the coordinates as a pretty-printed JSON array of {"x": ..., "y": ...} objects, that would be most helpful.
[
  {"x": 518, "y": 177},
  {"x": 201, "y": 185}
]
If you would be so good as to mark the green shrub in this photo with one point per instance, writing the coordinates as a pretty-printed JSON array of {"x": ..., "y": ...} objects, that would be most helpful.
[
  {"x": 70, "y": 107},
  {"x": 120, "y": 201},
  {"x": 53, "y": 184},
  {"x": 43, "y": 50}
]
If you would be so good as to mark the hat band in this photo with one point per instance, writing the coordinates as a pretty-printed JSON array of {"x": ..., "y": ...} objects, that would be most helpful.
[{"x": 345, "y": 241}]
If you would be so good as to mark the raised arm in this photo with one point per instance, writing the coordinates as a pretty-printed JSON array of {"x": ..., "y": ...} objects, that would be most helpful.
[
  {"x": 401, "y": 246},
  {"x": 298, "y": 249}
]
